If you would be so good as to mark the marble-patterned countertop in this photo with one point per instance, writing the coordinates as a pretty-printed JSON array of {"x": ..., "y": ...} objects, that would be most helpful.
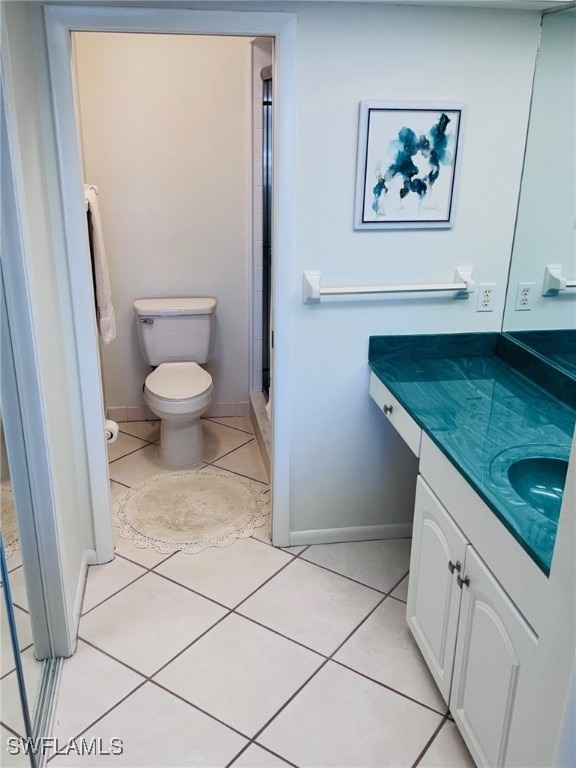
[{"x": 482, "y": 413}]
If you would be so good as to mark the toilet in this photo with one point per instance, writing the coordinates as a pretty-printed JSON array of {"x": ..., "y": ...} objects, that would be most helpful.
[{"x": 176, "y": 336}]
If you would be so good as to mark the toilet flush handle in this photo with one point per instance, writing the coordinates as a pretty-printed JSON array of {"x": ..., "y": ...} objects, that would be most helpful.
[{"x": 147, "y": 320}]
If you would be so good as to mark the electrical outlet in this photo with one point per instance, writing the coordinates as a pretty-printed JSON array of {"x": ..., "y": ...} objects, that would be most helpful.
[
  {"x": 524, "y": 294},
  {"x": 486, "y": 297}
]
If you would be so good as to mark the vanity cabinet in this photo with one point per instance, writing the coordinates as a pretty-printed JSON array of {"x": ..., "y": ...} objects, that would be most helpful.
[
  {"x": 398, "y": 416},
  {"x": 475, "y": 641}
]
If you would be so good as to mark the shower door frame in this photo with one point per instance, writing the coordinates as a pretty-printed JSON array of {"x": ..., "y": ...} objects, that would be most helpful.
[{"x": 60, "y": 22}]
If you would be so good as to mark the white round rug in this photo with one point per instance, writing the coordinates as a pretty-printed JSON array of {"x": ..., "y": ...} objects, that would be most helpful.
[
  {"x": 189, "y": 511},
  {"x": 8, "y": 519}
]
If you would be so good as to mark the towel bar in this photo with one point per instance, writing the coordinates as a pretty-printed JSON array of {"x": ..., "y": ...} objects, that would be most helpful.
[{"x": 312, "y": 289}]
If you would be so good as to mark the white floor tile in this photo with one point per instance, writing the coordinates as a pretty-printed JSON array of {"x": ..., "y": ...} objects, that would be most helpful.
[
  {"x": 383, "y": 648},
  {"x": 13, "y": 755},
  {"x": 378, "y": 564},
  {"x": 256, "y": 757},
  {"x": 220, "y": 440},
  {"x": 18, "y": 588},
  {"x": 14, "y": 560},
  {"x": 246, "y": 461},
  {"x": 124, "y": 445},
  {"x": 342, "y": 720},
  {"x": 138, "y": 467},
  {"x": 104, "y": 580},
  {"x": 24, "y": 632},
  {"x": 447, "y": 749},
  {"x": 145, "y": 430},
  {"x": 91, "y": 684},
  {"x": 10, "y": 696},
  {"x": 149, "y": 622},
  {"x": 226, "y": 574},
  {"x": 240, "y": 672},
  {"x": 263, "y": 533},
  {"x": 159, "y": 730},
  {"x": 311, "y": 605},
  {"x": 401, "y": 591},
  {"x": 243, "y": 423}
]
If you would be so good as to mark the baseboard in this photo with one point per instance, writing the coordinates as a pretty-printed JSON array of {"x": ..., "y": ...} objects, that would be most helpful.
[
  {"x": 221, "y": 410},
  {"x": 262, "y": 426},
  {"x": 355, "y": 533},
  {"x": 88, "y": 558},
  {"x": 143, "y": 413}
]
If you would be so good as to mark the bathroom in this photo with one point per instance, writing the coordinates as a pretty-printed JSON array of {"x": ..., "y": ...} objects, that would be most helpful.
[
  {"x": 172, "y": 165},
  {"x": 323, "y": 349}
]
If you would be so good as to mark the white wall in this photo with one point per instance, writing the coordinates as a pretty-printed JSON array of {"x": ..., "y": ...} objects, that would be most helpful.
[
  {"x": 60, "y": 432},
  {"x": 546, "y": 228},
  {"x": 348, "y": 468},
  {"x": 165, "y": 124}
]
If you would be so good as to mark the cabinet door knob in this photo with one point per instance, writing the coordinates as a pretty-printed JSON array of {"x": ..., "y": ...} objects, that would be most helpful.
[
  {"x": 454, "y": 566},
  {"x": 465, "y": 581},
  {"x": 387, "y": 408}
]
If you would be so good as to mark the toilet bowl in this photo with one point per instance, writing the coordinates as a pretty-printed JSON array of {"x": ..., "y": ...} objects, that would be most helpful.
[{"x": 179, "y": 394}]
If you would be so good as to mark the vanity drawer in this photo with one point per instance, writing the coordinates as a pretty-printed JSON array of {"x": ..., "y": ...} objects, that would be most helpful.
[{"x": 396, "y": 414}]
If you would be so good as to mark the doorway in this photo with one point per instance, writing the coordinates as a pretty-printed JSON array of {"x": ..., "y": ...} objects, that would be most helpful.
[{"x": 60, "y": 22}]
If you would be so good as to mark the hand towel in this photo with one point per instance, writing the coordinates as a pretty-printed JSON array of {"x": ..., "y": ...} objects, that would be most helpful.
[{"x": 104, "y": 306}]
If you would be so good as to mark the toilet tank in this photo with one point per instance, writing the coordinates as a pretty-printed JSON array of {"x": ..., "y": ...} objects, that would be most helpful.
[{"x": 176, "y": 330}]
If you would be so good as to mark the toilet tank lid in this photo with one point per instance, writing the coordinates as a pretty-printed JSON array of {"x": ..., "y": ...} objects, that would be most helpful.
[{"x": 186, "y": 306}]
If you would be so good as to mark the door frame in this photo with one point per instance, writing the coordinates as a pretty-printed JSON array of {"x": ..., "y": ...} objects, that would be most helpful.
[{"x": 60, "y": 22}]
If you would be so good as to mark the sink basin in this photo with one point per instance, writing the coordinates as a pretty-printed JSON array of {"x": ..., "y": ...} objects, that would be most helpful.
[{"x": 540, "y": 481}]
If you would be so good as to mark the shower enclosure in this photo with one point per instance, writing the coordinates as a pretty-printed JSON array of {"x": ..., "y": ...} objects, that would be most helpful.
[{"x": 267, "y": 336}]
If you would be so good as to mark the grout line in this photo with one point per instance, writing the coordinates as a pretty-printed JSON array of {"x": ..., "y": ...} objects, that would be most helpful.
[
  {"x": 429, "y": 742},
  {"x": 149, "y": 568},
  {"x": 209, "y": 629},
  {"x": 388, "y": 687},
  {"x": 280, "y": 634},
  {"x": 113, "y": 594},
  {"x": 260, "y": 746},
  {"x": 110, "y": 656},
  {"x": 214, "y": 419},
  {"x": 286, "y": 564},
  {"x": 119, "y": 483},
  {"x": 10, "y": 729},
  {"x": 195, "y": 706},
  {"x": 290, "y": 699},
  {"x": 223, "y": 456},
  {"x": 130, "y": 453},
  {"x": 103, "y": 715},
  {"x": 345, "y": 576}
]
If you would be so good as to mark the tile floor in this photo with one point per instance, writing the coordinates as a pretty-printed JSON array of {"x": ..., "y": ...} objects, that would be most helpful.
[{"x": 249, "y": 656}]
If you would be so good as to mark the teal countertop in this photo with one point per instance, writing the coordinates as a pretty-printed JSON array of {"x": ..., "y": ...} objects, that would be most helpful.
[{"x": 469, "y": 393}]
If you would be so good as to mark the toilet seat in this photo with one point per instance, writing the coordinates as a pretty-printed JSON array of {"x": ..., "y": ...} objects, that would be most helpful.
[{"x": 178, "y": 381}]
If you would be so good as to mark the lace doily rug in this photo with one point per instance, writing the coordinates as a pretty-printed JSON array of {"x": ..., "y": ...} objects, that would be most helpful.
[
  {"x": 8, "y": 519},
  {"x": 189, "y": 511}
]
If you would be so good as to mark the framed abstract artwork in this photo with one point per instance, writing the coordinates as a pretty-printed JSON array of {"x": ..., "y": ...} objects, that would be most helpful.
[{"x": 409, "y": 157}]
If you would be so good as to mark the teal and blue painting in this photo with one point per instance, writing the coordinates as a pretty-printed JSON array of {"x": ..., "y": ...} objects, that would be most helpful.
[{"x": 410, "y": 166}]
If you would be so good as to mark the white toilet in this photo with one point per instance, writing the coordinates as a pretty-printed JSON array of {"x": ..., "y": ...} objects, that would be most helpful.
[{"x": 175, "y": 335}]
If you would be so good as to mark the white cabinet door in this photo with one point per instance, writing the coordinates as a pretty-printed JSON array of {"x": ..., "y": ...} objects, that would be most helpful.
[
  {"x": 438, "y": 552},
  {"x": 494, "y": 645}
]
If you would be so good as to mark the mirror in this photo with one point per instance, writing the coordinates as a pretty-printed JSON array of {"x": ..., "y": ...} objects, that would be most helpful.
[
  {"x": 546, "y": 222},
  {"x": 20, "y": 673}
]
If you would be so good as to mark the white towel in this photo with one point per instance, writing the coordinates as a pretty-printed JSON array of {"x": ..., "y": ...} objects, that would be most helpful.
[{"x": 104, "y": 306}]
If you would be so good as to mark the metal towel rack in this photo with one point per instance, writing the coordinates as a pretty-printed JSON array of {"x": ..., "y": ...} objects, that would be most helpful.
[
  {"x": 554, "y": 282},
  {"x": 312, "y": 290}
]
